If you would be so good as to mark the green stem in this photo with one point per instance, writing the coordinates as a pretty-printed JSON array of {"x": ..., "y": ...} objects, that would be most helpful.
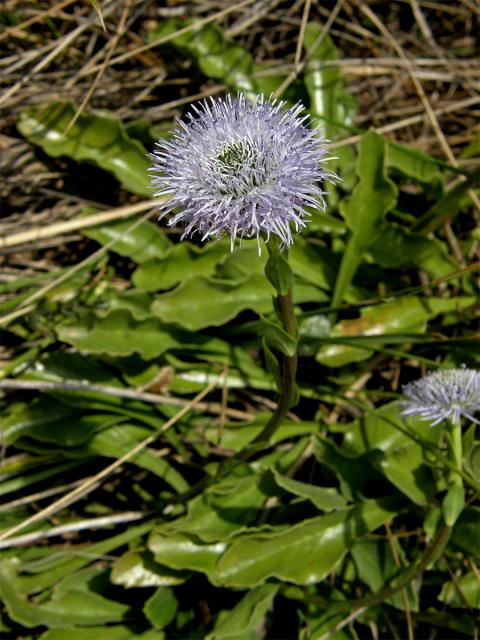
[
  {"x": 357, "y": 607},
  {"x": 286, "y": 394},
  {"x": 456, "y": 448},
  {"x": 431, "y": 554},
  {"x": 288, "y": 369},
  {"x": 454, "y": 501}
]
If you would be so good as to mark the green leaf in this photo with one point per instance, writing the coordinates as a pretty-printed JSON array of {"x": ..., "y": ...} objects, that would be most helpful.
[
  {"x": 184, "y": 551},
  {"x": 115, "y": 442},
  {"x": 244, "y": 369},
  {"x": 415, "y": 164},
  {"x": 71, "y": 432},
  {"x": 115, "y": 632},
  {"x": 407, "y": 315},
  {"x": 136, "y": 301},
  {"x": 217, "y": 56},
  {"x": 376, "y": 568},
  {"x": 139, "y": 569},
  {"x": 448, "y": 206},
  {"x": 458, "y": 624},
  {"x": 403, "y": 460},
  {"x": 25, "y": 479},
  {"x": 181, "y": 263},
  {"x": 397, "y": 246},
  {"x": 64, "y": 563},
  {"x": 100, "y": 140},
  {"x": 319, "y": 625},
  {"x": 314, "y": 263},
  {"x": 160, "y": 609},
  {"x": 325, "y": 499},
  {"x": 58, "y": 365},
  {"x": 246, "y": 617},
  {"x": 236, "y": 436},
  {"x": 357, "y": 474},
  {"x": 278, "y": 338},
  {"x": 329, "y": 100},
  {"x": 23, "y": 418},
  {"x": 453, "y": 504},
  {"x": 365, "y": 209},
  {"x": 279, "y": 273},
  {"x": 73, "y": 607},
  {"x": 201, "y": 303},
  {"x": 472, "y": 150},
  {"x": 332, "y": 107},
  {"x": 462, "y": 593},
  {"x": 466, "y": 532},
  {"x": 472, "y": 462},
  {"x": 241, "y": 263},
  {"x": 304, "y": 553},
  {"x": 272, "y": 363},
  {"x": 225, "y": 508},
  {"x": 119, "y": 334},
  {"x": 145, "y": 243}
]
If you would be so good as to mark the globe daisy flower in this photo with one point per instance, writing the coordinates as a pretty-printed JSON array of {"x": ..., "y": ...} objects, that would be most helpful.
[
  {"x": 443, "y": 395},
  {"x": 244, "y": 169}
]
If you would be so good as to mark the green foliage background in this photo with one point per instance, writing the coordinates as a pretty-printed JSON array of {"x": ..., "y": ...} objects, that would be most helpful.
[{"x": 294, "y": 543}]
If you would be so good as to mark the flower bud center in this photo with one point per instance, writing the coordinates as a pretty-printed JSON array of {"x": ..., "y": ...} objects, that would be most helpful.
[{"x": 236, "y": 156}]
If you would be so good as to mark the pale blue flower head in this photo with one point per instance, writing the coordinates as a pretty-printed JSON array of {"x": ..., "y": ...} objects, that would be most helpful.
[
  {"x": 247, "y": 169},
  {"x": 443, "y": 395}
]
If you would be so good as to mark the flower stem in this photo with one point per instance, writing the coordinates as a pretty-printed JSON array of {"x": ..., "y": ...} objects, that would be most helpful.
[
  {"x": 456, "y": 446},
  {"x": 454, "y": 501},
  {"x": 280, "y": 275},
  {"x": 288, "y": 368},
  {"x": 403, "y": 580}
]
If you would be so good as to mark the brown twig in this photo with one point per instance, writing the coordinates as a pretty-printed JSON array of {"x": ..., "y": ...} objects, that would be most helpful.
[
  {"x": 94, "y": 220},
  {"x": 82, "y": 525}
]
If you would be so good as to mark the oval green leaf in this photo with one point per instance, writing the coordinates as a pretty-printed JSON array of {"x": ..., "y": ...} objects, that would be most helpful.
[
  {"x": 100, "y": 140},
  {"x": 304, "y": 553}
]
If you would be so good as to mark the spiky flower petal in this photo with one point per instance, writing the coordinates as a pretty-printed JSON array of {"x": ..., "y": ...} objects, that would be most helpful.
[
  {"x": 242, "y": 168},
  {"x": 443, "y": 395}
]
